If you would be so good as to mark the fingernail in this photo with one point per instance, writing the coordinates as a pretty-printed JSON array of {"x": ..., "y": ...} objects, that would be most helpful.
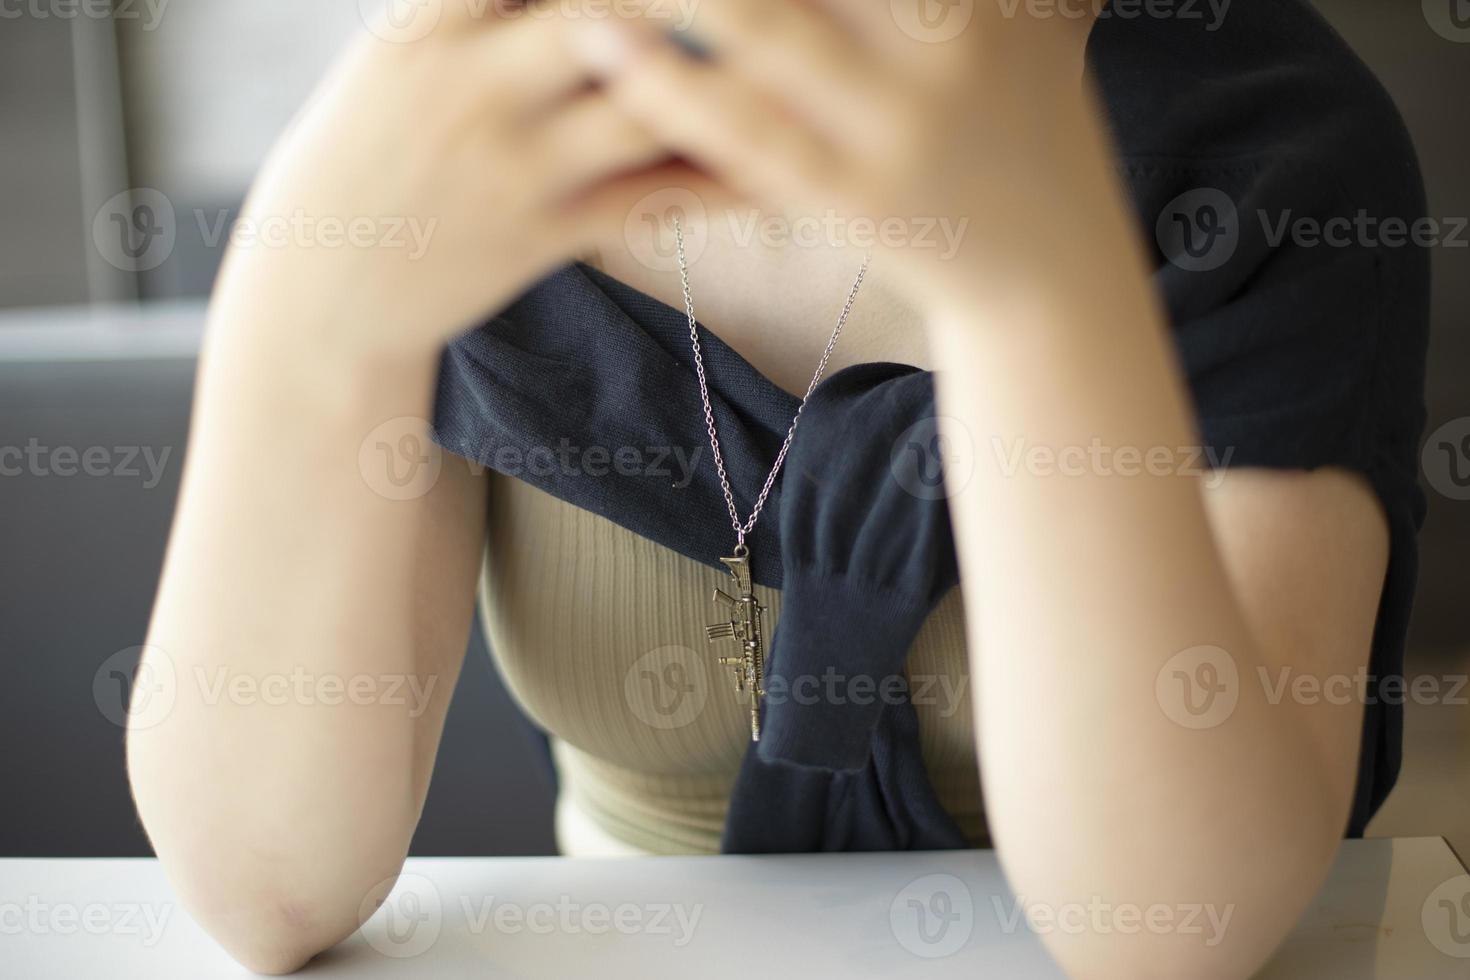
[{"x": 604, "y": 45}]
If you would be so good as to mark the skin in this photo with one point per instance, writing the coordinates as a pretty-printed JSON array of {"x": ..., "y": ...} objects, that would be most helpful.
[{"x": 1080, "y": 588}]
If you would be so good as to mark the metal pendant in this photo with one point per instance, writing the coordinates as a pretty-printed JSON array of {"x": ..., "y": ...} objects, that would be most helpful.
[{"x": 745, "y": 627}]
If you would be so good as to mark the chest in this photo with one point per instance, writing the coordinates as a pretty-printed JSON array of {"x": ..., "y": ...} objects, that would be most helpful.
[
  {"x": 777, "y": 304},
  {"x": 600, "y": 636}
]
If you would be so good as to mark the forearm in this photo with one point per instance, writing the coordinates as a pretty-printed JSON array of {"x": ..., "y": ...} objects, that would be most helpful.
[
  {"x": 282, "y": 784},
  {"x": 1084, "y": 581}
]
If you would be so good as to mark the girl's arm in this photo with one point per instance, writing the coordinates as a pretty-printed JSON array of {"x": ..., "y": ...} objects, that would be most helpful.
[
  {"x": 1081, "y": 590},
  {"x": 317, "y": 596},
  {"x": 314, "y": 629}
]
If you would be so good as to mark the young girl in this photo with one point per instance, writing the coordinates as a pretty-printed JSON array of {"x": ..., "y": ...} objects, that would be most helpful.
[{"x": 1078, "y": 356}]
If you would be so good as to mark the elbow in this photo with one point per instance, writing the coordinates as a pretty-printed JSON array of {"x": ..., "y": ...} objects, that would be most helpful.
[
  {"x": 265, "y": 930},
  {"x": 270, "y": 955},
  {"x": 268, "y": 961},
  {"x": 1230, "y": 935},
  {"x": 1236, "y": 957},
  {"x": 273, "y": 943}
]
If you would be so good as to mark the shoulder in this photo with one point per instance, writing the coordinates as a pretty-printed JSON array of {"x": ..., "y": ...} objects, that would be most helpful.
[{"x": 1265, "y": 86}]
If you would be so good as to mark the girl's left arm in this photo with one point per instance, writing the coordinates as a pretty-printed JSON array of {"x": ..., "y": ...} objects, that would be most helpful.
[{"x": 1137, "y": 621}]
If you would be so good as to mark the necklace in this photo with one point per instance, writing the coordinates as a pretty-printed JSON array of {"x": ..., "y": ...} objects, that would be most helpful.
[{"x": 743, "y": 614}]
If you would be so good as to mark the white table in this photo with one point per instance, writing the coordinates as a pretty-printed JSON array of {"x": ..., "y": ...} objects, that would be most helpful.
[{"x": 1392, "y": 909}]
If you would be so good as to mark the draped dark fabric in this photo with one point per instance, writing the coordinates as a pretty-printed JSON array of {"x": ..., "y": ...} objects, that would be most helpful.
[
  {"x": 861, "y": 560},
  {"x": 1297, "y": 356}
]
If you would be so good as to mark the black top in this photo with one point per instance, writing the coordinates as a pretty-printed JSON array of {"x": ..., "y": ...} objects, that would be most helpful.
[{"x": 1237, "y": 138}]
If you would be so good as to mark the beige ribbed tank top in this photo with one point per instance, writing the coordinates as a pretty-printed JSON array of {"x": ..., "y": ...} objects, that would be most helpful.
[{"x": 599, "y": 634}]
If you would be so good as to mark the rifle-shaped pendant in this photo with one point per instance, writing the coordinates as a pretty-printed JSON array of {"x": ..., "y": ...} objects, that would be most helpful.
[{"x": 745, "y": 627}]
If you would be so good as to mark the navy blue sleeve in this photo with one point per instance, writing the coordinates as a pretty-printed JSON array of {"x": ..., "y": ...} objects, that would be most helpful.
[{"x": 1280, "y": 191}]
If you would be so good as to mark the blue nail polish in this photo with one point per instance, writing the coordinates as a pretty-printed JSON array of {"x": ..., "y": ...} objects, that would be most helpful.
[{"x": 691, "y": 45}]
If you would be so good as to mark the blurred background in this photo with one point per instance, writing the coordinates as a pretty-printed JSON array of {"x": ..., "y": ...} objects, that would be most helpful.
[{"x": 157, "y": 114}]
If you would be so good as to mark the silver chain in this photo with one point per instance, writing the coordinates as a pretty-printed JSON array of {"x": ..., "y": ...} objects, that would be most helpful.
[{"x": 743, "y": 529}]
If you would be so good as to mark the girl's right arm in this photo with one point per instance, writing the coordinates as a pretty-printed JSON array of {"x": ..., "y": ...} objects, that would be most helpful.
[{"x": 312, "y": 623}]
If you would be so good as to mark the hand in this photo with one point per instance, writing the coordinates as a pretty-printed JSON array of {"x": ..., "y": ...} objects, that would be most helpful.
[
  {"x": 471, "y": 162},
  {"x": 826, "y": 105}
]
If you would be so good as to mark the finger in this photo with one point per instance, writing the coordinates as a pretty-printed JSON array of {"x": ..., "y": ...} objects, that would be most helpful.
[
  {"x": 880, "y": 27},
  {"x": 605, "y": 208},
  {"x": 793, "y": 49},
  {"x": 712, "y": 116},
  {"x": 526, "y": 64},
  {"x": 588, "y": 140}
]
